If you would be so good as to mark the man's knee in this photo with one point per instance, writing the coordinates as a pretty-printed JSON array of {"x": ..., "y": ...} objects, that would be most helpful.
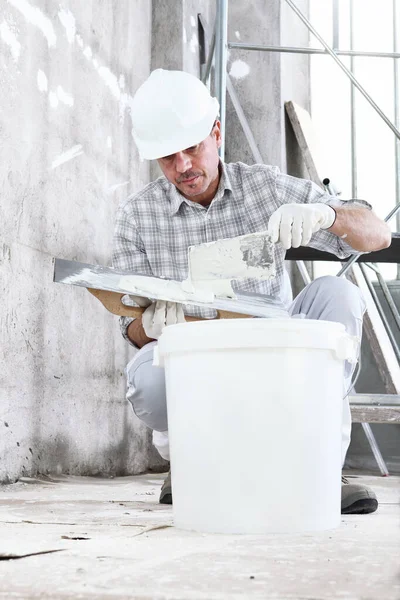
[
  {"x": 339, "y": 290},
  {"x": 146, "y": 393}
]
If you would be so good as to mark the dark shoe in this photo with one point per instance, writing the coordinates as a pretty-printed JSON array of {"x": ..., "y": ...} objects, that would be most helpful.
[
  {"x": 357, "y": 499},
  {"x": 166, "y": 491}
]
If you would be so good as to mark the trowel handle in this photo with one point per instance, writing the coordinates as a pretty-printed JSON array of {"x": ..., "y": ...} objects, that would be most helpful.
[{"x": 112, "y": 301}]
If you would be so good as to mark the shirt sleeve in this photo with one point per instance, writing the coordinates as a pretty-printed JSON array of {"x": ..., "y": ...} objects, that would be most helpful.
[
  {"x": 294, "y": 190},
  {"x": 129, "y": 255}
]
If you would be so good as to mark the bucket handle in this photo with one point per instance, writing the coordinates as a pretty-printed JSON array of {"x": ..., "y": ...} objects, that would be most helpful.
[
  {"x": 347, "y": 348},
  {"x": 157, "y": 362}
]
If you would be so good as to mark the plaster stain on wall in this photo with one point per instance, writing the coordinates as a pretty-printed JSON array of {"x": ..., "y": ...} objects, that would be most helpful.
[
  {"x": 109, "y": 142},
  {"x": 37, "y": 18},
  {"x": 111, "y": 81},
  {"x": 64, "y": 97},
  {"x": 184, "y": 36},
  {"x": 79, "y": 40},
  {"x": 88, "y": 52},
  {"x": 239, "y": 69},
  {"x": 116, "y": 84},
  {"x": 42, "y": 81},
  {"x": 194, "y": 43},
  {"x": 10, "y": 39},
  {"x": 66, "y": 156},
  {"x": 53, "y": 99},
  {"x": 237, "y": 34},
  {"x": 68, "y": 20},
  {"x": 116, "y": 186},
  {"x": 193, "y": 21}
]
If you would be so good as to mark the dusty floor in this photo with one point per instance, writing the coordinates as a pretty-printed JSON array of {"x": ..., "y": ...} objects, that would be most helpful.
[{"x": 129, "y": 548}]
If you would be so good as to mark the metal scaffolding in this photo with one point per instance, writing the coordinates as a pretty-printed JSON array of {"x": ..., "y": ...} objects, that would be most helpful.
[{"x": 223, "y": 84}]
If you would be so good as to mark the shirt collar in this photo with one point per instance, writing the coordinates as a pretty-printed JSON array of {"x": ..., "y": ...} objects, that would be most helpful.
[{"x": 176, "y": 199}]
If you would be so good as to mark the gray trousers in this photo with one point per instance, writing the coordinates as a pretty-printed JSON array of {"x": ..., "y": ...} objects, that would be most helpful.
[{"x": 326, "y": 298}]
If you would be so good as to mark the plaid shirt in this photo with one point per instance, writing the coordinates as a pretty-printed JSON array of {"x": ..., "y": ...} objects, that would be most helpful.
[{"x": 155, "y": 227}]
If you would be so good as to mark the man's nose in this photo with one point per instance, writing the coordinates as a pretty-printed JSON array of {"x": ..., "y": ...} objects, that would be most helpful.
[{"x": 182, "y": 162}]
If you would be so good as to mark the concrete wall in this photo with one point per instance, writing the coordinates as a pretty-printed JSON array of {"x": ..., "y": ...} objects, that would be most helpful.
[
  {"x": 264, "y": 81},
  {"x": 67, "y": 157}
]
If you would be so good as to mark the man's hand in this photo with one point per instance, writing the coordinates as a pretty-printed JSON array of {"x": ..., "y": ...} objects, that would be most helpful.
[
  {"x": 294, "y": 224},
  {"x": 160, "y": 314}
]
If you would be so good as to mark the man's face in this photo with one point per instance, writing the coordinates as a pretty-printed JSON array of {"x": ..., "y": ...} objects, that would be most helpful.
[{"x": 194, "y": 171}]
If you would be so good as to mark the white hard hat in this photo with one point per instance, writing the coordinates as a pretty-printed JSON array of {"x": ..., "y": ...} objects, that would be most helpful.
[{"x": 171, "y": 111}]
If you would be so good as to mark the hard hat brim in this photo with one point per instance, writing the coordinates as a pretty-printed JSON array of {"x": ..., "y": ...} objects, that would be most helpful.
[{"x": 155, "y": 149}]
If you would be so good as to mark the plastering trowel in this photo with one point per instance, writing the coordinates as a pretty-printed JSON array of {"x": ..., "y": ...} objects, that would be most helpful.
[{"x": 212, "y": 267}]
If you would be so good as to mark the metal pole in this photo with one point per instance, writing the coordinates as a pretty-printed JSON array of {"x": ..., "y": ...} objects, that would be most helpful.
[
  {"x": 386, "y": 293},
  {"x": 375, "y": 449},
  {"x": 344, "y": 68},
  {"x": 210, "y": 57},
  {"x": 305, "y": 275},
  {"x": 354, "y": 179},
  {"x": 381, "y": 311},
  {"x": 301, "y": 50},
  {"x": 396, "y": 82},
  {"x": 243, "y": 121},
  {"x": 221, "y": 57},
  {"x": 335, "y": 25}
]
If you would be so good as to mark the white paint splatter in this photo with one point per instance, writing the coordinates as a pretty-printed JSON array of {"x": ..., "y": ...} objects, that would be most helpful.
[
  {"x": 194, "y": 43},
  {"x": 42, "y": 81},
  {"x": 68, "y": 21},
  {"x": 64, "y": 97},
  {"x": 111, "y": 81},
  {"x": 66, "y": 156},
  {"x": 237, "y": 34},
  {"x": 193, "y": 21},
  {"x": 88, "y": 52},
  {"x": 10, "y": 39},
  {"x": 113, "y": 188},
  {"x": 37, "y": 18},
  {"x": 79, "y": 40},
  {"x": 53, "y": 99},
  {"x": 184, "y": 36},
  {"x": 109, "y": 142},
  {"x": 239, "y": 69},
  {"x": 116, "y": 84},
  {"x": 123, "y": 105}
]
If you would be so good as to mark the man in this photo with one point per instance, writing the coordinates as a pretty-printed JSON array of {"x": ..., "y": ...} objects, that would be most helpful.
[{"x": 200, "y": 199}]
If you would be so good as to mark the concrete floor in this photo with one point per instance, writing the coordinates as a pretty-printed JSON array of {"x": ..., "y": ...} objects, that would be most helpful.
[{"x": 130, "y": 549}]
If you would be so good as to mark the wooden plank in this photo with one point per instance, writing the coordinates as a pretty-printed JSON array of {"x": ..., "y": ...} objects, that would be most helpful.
[
  {"x": 365, "y": 413},
  {"x": 305, "y": 135},
  {"x": 375, "y": 399},
  {"x": 377, "y": 337}
]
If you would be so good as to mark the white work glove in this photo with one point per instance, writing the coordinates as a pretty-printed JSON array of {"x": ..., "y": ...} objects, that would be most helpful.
[
  {"x": 294, "y": 224},
  {"x": 160, "y": 314}
]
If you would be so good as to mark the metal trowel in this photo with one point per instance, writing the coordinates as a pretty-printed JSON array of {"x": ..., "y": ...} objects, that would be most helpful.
[{"x": 212, "y": 267}]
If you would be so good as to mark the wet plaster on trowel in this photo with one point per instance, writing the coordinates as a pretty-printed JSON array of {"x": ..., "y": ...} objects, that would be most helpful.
[{"x": 214, "y": 265}]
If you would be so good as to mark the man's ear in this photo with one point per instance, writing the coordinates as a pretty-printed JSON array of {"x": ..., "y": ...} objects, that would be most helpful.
[{"x": 216, "y": 132}]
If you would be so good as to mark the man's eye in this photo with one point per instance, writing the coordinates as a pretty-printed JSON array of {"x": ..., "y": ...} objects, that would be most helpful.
[
  {"x": 168, "y": 158},
  {"x": 193, "y": 148}
]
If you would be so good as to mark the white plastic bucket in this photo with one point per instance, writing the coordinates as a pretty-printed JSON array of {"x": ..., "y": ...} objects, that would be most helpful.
[{"x": 254, "y": 416}]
